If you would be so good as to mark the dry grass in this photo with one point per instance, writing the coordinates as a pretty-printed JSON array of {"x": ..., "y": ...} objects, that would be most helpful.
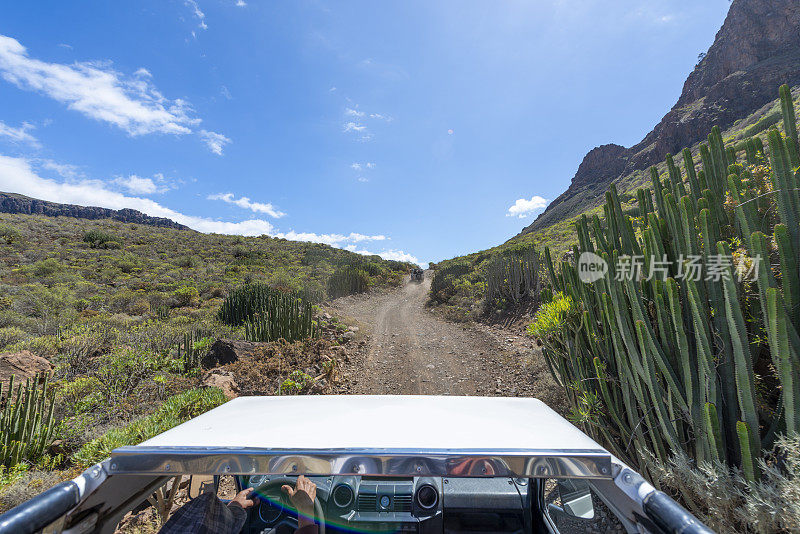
[{"x": 727, "y": 503}]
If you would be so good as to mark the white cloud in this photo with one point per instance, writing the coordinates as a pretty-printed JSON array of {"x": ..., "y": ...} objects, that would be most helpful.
[
  {"x": 361, "y": 166},
  {"x": 99, "y": 92},
  {"x": 96, "y": 91},
  {"x": 214, "y": 141},
  {"x": 197, "y": 12},
  {"x": 354, "y": 127},
  {"x": 363, "y": 179},
  {"x": 19, "y": 176},
  {"x": 392, "y": 254},
  {"x": 350, "y": 112},
  {"x": 65, "y": 170},
  {"x": 18, "y": 135},
  {"x": 241, "y": 3},
  {"x": 247, "y": 204},
  {"x": 224, "y": 91},
  {"x": 143, "y": 186},
  {"x": 334, "y": 240},
  {"x": 522, "y": 207},
  {"x": 65, "y": 45}
]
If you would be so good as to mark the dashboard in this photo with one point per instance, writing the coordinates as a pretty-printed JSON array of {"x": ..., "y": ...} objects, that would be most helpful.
[{"x": 418, "y": 504}]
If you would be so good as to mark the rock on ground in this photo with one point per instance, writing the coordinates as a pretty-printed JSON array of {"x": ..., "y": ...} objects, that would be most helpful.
[
  {"x": 22, "y": 365},
  {"x": 223, "y": 380},
  {"x": 225, "y": 351}
]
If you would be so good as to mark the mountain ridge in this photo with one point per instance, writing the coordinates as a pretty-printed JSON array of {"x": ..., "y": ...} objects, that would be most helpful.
[
  {"x": 16, "y": 203},
  {"x": 756, "y": 50}
]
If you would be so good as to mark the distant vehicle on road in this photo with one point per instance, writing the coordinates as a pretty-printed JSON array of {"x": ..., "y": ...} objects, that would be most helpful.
[{"x": 417, "y": 275}]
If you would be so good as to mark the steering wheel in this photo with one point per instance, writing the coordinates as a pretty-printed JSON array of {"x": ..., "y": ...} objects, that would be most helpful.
[{"x": 280, "y": 481}]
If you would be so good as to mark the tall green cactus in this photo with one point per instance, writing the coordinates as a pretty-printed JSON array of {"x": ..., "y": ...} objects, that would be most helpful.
[
  {"x": 26, "y": 420},
  {"x": 268, "y": 314},
  {"x": 790, "y": 125},
  {"x": 672, "y": 359}
]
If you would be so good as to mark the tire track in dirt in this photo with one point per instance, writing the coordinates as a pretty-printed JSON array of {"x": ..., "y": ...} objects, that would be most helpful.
[{"x": 411, "y": 351}]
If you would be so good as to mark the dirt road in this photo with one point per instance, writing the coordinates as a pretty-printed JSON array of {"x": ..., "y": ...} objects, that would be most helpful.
[{"x": 410, "y": 350}]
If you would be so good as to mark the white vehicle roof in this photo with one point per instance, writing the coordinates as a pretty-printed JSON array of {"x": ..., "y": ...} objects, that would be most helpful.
[{"x": 381, "y": 435}]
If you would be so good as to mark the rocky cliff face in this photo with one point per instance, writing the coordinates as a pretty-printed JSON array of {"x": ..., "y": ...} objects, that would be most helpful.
[
  {"x": 756, "y": 50},
  {"x": 13, "y": 203}
]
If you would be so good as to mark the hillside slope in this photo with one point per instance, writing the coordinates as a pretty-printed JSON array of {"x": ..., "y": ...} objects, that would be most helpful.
[
  {"x": 560, "y": 236},
  {"x": 756, "y": 50}
]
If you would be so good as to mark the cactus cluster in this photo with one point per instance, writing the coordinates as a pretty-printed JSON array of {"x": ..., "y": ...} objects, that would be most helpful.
[
  {"x": 347, "y": 280},
  {"x": 513, "y": 276},
  {"x": 187, "y": 351},
  {"x": 268, "y": 314},
  {"x": 708, "y": 366},
  {"x": 26, "y": 420}
]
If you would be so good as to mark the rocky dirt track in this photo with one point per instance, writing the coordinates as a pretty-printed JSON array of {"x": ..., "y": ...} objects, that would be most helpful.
[{"x": 408, "y": 350}]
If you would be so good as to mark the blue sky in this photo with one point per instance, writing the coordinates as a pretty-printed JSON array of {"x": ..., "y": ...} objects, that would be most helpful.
[{"x": 419, "y": 130}]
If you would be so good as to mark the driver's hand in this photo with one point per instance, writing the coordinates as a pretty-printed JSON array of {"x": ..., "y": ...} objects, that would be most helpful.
[
  {"x": 302, "y": 495},
  {"x": 242, "y": 500}
]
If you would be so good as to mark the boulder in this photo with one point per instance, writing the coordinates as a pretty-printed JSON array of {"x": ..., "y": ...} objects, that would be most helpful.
[
  {"x": 22, "y": 365},
  {"x": 223, "y": 380},
  {"x": 225, "y": 351}
]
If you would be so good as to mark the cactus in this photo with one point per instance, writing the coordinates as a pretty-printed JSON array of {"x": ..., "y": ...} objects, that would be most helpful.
[
  {"x": 672, "y": 360},
  {"x": 268, "y": 314},
  {"x": 790, "y": 124},
  {"x": 745, "y": 440},
  {"x": 187, "y": 351},
  {"x": 513, "y": 276},
  {"x": 26, "y": 420},
  {"x": 347, "y": 280}
]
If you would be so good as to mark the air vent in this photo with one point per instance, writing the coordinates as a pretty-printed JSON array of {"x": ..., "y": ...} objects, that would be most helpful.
[
  {"x": 367, "y": 503},
  {"x": 427, "y": 497},
  {"x": 402, "y": 503},
  {"x": 343, "y": 496}
]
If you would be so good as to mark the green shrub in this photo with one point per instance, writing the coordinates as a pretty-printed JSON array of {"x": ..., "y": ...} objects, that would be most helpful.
[
  {"x": 295, "y": 384},
  {"x": 80, "y": 395},
  {"x": 551, "y": 317},
  {"x": 445, "y": 278},
  {"x": 10, "y": 335},
  {"x": 186, "y": 295},
  {"x": 46, "y": 267},
  {"x": 175, "y": 410},
  {"x": 9, "y": 235},
  {"x": 768, "y": 120},
  {"x": 100, "y": 239}
]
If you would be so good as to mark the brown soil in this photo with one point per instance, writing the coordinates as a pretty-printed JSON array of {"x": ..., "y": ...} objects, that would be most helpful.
[{"x": 409, "y": 350}]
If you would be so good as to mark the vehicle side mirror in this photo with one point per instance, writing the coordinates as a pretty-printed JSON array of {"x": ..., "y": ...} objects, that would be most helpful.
[{"x": 576, "y": 498}]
